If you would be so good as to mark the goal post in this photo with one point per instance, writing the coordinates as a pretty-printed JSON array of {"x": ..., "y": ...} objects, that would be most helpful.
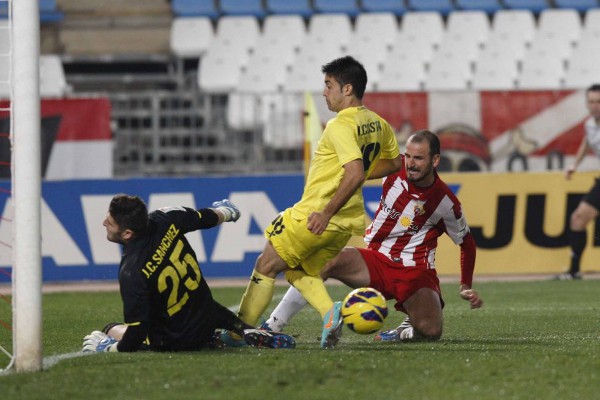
[{"x": 26, "y": 186}]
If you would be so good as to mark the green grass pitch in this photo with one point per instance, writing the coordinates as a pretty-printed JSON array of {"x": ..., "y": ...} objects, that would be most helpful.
[{"x": 531, "y": 340}]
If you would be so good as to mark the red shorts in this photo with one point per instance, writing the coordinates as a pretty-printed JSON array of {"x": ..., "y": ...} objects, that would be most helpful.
[{"x": 396, "y": 281}]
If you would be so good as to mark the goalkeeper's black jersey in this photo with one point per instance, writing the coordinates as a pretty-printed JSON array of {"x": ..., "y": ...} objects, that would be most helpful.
[{"x": 164, "y": 293}]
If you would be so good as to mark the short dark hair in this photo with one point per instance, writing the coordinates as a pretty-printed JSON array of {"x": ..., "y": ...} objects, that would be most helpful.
[
  {"x": 594, "y": 88},
  {"x": 129, "y": 212},
  {"x": 347, "y": 70},
  {"x": 427, "y": 136}
]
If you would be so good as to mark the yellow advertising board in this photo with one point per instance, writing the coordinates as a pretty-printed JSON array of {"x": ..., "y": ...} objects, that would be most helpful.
[{"x": 519, "y": 221}]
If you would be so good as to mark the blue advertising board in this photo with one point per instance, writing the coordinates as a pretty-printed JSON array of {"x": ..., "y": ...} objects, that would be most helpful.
[{"x": 74, "y": 245}]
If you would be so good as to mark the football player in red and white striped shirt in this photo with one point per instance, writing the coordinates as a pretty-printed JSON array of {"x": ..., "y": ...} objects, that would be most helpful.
[{"x": 416, "y": 208}]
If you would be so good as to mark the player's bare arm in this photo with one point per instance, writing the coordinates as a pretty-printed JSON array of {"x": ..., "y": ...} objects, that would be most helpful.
[
  {"x": 584, "y": 147},
  {"x": 354, "y": 176},
  {"x": 385, "y": 167}
]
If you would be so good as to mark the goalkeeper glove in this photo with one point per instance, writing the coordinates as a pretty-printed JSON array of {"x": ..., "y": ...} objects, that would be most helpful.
[
  {"x": 98, "y": 342},
  {"x": 229, "y": 210}
]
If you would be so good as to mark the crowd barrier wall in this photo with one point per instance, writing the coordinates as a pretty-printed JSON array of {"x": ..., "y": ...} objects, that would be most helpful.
[{"x": 519, "y": 221}]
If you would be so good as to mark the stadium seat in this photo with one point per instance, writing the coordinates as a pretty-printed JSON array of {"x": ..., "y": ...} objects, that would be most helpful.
[
  {"x": 579, "y": 5},
  {"x": 402, "y": 72},
  {"x": 243, "y": 7},
  {"x": 562, "y": 22},
  {"x": 466, "y": 31},
  {"x": 195, "y": 8},
  {"x": 374, "y": 35},
  {"x": 52, "y": 76},
  {"x": 514, "y": 26},
  {"x": 442, "y": 6},
  {"x": 397, "y": 7},
  {"x": 560, "y": 46},
  {"x": 190, "y": 36},
  {"x": 448, "y": 71},
  {"x": 584, "y": 65},
  {"x": 535, "y": 6},
  {"x": 428, "y": 24},
  {"x": 327, "y": 38},
  {"x": 349, "y": 7},
  {"x": 297, "y": 7},
  {"x": 283, "y": 117},
  {"x": 496, "y": 67},
  {"x": 488, "y": 6},
  {"x": 220, "y": 69},
  {"x": 275, "y": 52},
  {"x": 542, "y": 70}
]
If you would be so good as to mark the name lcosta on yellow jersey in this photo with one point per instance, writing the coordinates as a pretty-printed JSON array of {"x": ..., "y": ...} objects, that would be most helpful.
[{"x": 356, "y": 133}]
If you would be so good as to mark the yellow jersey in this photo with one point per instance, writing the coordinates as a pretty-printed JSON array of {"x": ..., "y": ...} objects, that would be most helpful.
[{"x": 356, "y": 133}]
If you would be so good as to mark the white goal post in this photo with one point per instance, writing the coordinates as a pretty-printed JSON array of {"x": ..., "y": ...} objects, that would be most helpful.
[{"x": 26, "y": 185}]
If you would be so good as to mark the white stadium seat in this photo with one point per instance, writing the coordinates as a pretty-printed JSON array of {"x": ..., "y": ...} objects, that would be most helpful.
[
  {"x": 448, "y": 71},
  {"x": 52, "y": 76},
  {"x": 402, "y": 72},
  {"x": 514, "y": 26},
  {"x": 542, "y": 70},
  {"x": 328, "y": 37},
  {"x": 191, "y": 37},
  {"x": 584, "y": 65},
  {"x": 563, "y": 22},
  {"x": 371, "y": 43},
  {"x": 220, "y": 69},
  {"x": 428, "y": 24},
  {"x": 274, "y": 54}
]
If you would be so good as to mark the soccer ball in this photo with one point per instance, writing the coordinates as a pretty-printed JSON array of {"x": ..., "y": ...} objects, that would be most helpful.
[{"x": 364, "y": 310}]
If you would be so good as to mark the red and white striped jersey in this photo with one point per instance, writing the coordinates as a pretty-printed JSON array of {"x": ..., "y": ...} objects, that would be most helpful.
[{"x": 410, "y": 219}]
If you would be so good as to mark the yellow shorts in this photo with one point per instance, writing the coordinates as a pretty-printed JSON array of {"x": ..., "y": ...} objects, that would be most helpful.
[{"x": 298, "y": 247}]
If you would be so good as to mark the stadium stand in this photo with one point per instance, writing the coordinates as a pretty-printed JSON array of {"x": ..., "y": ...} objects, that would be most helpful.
[
  {"x": 238, "y": 96},
  {"x": 220, "y": 70},
  {"x": 396, "y": 7}
]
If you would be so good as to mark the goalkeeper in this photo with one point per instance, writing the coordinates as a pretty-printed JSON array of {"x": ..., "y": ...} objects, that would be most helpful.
[{"x": 167, "y": 304}]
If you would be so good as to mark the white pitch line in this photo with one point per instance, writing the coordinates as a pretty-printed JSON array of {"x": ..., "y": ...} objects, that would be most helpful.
[{"x": 51, "y": 361}]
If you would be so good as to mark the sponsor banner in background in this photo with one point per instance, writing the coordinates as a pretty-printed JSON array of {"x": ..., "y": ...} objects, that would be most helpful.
[
  {"x": 76, "y": 138},
  {"x": 492, "y": 131},
  {"x": 74, "y": 244},
  {"x": 519, "y": 222}
]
